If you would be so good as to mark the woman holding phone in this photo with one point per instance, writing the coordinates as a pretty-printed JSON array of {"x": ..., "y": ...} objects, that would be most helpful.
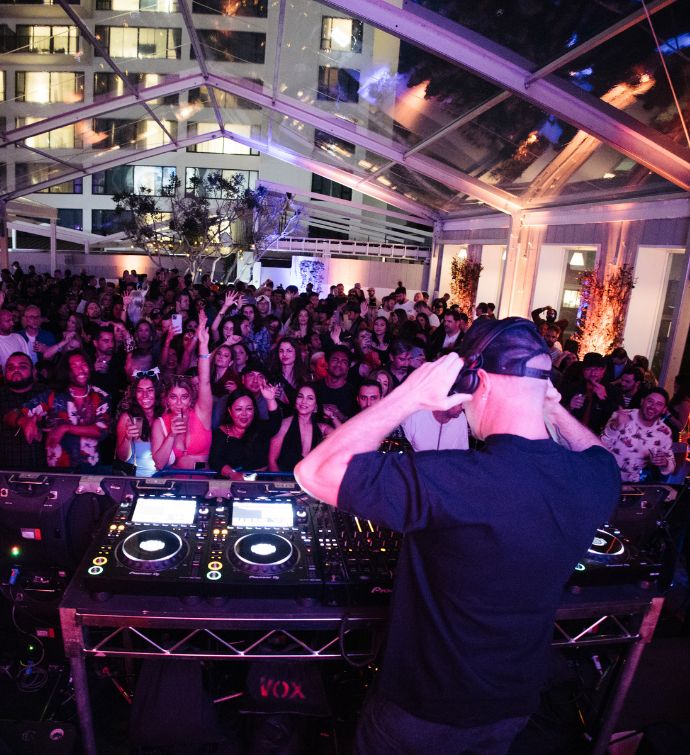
[{"x": 139, "y": 410}]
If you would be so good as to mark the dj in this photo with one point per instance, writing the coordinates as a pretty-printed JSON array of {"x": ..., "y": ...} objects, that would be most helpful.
[{"x": 491, "y": 537}]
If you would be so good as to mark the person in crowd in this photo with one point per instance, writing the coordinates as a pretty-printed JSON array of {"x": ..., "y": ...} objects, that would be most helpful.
[
  {"x": 240, "y": 357},
  {"x": 640, "y": 440},
  {"x": 649, "y": 380},
  {"x": 422, "y": 307},
  {"x": 472, "y": 587},
  {"x": 381, "y": 338},
  {"x": 552, "y": 334},
  {"x": 76, "y": 417},
  {"x": 287, "y": 364},
  {"x": 369, "y": 393},
  {"x": 181, "y": 437},
  {"x": 585, "y": 395},
  {"x": 298, "y": 433},
  {"x": 37, "y": 337},
  {"x": 138, "y": 413},
  {"x": 402, "y": 302},
  {"x": 416, "y": 357},
  {"x": 253, "y": 379},
  {"x": 21, "y": 399},
  {"x": 241, "y": 442},
  {"x": 384, "y": 379},
  {"x": 108, "y": 368},
  {"x": 299, "y": 326},
  {"x": 334, "y": 393},
  {"x": 387, "y": 307},
  {"x": 631, "y": 388},
  {"x": 679, "y": 406},
  {"x": 399, "y": 362},
  {"x": 437, "y": 430},
  {"x": 448, "y": 337},
  {"x": 549, "y": 318},
  {"x": 258, "y": 337},
  {"x": 9, "y": 340},
  {"x": 616, "y": 362},
  {"x": 73, "y": 337}
]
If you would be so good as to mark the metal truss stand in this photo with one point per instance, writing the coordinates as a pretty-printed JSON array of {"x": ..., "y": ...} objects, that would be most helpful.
[{"x": 247, "y": 629}]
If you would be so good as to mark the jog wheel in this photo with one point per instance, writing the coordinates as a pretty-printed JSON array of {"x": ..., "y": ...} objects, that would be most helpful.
[
  {"x": 152, "y": 550},
  {"x": 607, "y": 548},
  {"x": 263, "y": 553}
]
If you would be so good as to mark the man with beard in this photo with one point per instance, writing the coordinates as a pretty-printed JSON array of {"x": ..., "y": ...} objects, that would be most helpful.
[
  {"x": 108, "y": 372},
  {"x": 334, "y": 393},
  {"x": 21, "y": 390},
  {"x": 76, "y": 418}
]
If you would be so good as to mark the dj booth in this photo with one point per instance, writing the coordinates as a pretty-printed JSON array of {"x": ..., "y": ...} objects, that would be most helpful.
[{"x": 201, "y": 569}]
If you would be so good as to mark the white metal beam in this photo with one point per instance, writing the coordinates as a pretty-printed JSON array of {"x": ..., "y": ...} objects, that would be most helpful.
[
  {"x": 461, "y": 46},
  {"x": 461, "y": 182}
]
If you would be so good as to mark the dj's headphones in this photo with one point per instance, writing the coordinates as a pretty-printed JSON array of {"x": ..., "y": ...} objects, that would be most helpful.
[{"x": 467, "y": 380}]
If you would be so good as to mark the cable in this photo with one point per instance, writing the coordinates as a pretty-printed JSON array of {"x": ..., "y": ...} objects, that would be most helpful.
[
  {"x": 668, "y": 75},
  {"x": 368, "y": 659}
]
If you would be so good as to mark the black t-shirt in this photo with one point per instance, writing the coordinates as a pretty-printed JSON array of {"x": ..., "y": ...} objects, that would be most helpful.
[
  {"x": 343, "y": 397},
  {"x": 15, "y": 451},
  {"x": 491, "y": 537}
]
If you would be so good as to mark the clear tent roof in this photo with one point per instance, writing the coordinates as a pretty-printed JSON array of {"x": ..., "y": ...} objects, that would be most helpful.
[{"x": 458, "y": 108}]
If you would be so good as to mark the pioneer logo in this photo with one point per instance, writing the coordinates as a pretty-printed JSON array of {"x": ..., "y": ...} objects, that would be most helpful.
[
  {"x": 380, "y": 591},
  {"x": 280, "y": 689}
]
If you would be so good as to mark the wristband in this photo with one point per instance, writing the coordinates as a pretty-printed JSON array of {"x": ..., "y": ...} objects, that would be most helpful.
[{"x": 204, "y": 356}]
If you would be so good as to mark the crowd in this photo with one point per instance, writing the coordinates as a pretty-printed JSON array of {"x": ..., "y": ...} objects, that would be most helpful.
[{"x": 143, "y": 376}]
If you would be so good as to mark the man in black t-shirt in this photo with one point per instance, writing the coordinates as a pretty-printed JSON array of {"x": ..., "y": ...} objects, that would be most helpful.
[
  {"x": 334, "y": 391},
  {"x": 491, "y": 537}
]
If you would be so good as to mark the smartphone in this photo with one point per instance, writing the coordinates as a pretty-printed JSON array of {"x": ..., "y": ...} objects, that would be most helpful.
[{"x": 176, "y": 324}]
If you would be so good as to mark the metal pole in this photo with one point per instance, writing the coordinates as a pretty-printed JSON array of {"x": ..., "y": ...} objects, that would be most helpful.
[
  {"x": 81, "y": 697},
  {"x": 630, "y": 664}
]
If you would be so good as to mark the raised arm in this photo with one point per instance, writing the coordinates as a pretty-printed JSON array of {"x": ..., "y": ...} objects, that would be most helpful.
[
  {"x": 322, "y": 471},
  {"x": 231, "y": 298},
  {"x": 204, "y": 403}
]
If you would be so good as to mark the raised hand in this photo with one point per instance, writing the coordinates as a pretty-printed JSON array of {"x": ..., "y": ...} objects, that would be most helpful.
[{"x": 268, "y": 391}]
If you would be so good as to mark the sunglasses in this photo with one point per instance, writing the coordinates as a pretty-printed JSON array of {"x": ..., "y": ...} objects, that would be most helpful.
[{"x": 152, "y": 373}]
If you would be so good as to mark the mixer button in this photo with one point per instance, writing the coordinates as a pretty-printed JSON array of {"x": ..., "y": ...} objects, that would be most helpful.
[
  {"x": 214, "y": 576},
  {"x": 215, "y": 565},
  {"x": 94, "y": 571},
  {"x": 100, "y": 560}
]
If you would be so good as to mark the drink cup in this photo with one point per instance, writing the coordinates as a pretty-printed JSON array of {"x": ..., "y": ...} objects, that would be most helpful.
[{"x": 138, "y": 423}]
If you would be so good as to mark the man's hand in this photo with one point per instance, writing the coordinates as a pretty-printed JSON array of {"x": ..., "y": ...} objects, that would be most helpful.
[
  {"x": 620, "y": 419},
  {"x": 56, "y": 434},
  {"x": 428, "y": 386},
  {"x": 600, "y": 391},
  {"x": 29, "y": 426},
  {"x": 659, "y": 458}
]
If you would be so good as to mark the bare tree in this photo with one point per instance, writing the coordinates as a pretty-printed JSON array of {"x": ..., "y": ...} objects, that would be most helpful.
[{"x": 210, "y": 218}]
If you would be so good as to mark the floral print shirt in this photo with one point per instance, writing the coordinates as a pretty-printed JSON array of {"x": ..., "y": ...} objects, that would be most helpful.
[{"x": 633, "y": 445}]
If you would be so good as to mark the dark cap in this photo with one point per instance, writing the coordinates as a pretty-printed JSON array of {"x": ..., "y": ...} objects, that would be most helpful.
[
  {"x": 504, "y": 347},
  {"x": 593, "y": 359}
]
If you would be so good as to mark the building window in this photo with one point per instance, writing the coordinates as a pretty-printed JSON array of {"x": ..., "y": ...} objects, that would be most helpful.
[
  {"x": 111, "y": 85},
  {"x": 38, "y": 2},
  {"x": 45, "y": 87},
  {"x": 321, "y": 185},
  {"x": 46, "y": 40},
  {"x": 577, "y": 261},
  {"x": 106, "y": 222},
  {"x": 132, "y": 178},
  {"x": 222, "y": 145},
  {"x": 199, "y": 95},
  {"x": 156, "y": 6},
  {"x": 116, "y": 132},
  {"x": 341, "y": 34},
  {"x": 251, "y": 177},
  {"x": 140, "y": 42},
  {"x": 252, "y": 8},
  {"x": 59, "y": 138},
  {"x": 69, "y": 218},
  {"x": 232, "y": 46},
  {"x": 334, "y": 146},
  {"x": 338, "y": 84}
]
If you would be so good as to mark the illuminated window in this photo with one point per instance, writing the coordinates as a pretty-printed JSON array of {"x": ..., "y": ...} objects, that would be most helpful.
[
  {"x": 106, "y": 222},
  {"x": 254, "y": 8},
  {"x": 136, "y": 42},
  {"x": 132, "y": 178},
  {"x": 48, "y": 87},
  {"x": 118, "y": 132},
  {"x": 2, "y": 85},
  {"x": 221, "y": 145},
  {"x": 338, "y": 84},
  {"x": 107, "y": 84},
  {"x": 45, "y": 40},
  {"x": 32, "y": 174},
  {"x": 59, "y": 138},
  {"x": 232, "y": 46},
  {"x": 251, "y": 177},
  {"x": 225, "y": 99},
  {"x": 157, "y": 6},
  {"x": 331, "y": 144},
  {"x": 341, "y": 35}
]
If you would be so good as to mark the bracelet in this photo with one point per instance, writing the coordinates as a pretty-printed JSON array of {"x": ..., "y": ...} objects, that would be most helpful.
[{"x": 204, "y": 356}]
